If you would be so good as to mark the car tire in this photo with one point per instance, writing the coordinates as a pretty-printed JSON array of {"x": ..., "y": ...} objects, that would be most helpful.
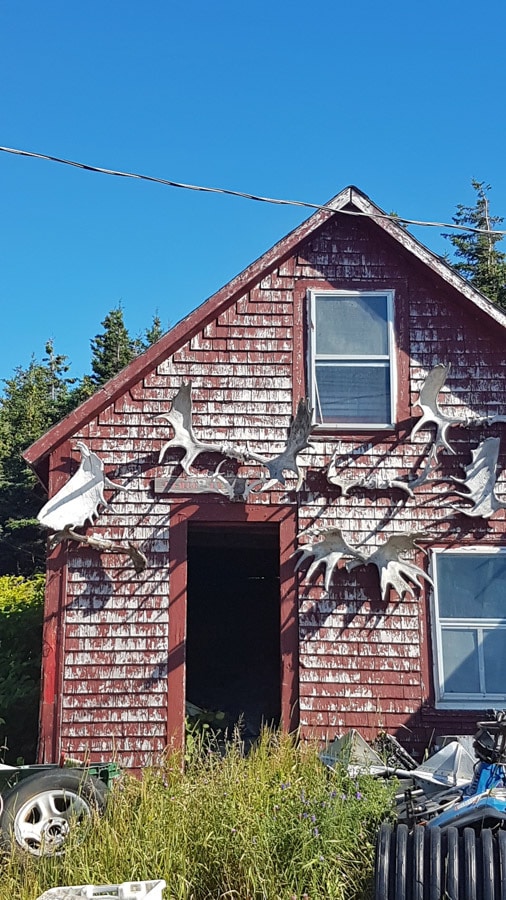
[{"x": 40, "y": 810}]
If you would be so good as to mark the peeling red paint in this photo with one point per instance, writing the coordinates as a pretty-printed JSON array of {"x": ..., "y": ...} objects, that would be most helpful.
[{"x": 113, "y": 677}]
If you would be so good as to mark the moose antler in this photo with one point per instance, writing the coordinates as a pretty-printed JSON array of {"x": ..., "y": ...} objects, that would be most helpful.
[
  {"x": 480, "y": 481},
  {"x": 327, "y": 552},
  {"x": 180, "y": 417},
  {"x": 432, "y": 415},
  {"x": 297, "y": 442},
  {"x": 77, "y": 502},
  {"x": 376, "y": 481},
  {"x": 392, "y": 569},
  {"x": 103, "y": 545}
]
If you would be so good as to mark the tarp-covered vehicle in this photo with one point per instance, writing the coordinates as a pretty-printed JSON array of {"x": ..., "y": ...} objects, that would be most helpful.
[
  {"x": 39, "y": 803},
  {"x": 451, "y": 844}
]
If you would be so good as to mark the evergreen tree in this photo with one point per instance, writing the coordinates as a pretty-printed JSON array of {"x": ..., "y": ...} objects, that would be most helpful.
[
  {"x": 150, "y": 335},
  {"x": 478, "y": 258},
  {"x": 111, "y": 350},
  {"x": 154, "y": 333},
  {"x": 34, "y": 399}
]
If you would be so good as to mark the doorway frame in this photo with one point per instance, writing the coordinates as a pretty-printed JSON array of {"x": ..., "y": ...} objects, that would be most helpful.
[{"x": 216, "y": 514}]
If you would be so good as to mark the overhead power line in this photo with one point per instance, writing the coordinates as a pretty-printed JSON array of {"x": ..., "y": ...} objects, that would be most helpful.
[{"x": 274, "y": 200}]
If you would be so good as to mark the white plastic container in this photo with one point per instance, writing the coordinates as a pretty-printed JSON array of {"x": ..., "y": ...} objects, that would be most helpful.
[{"x": 129, "y": 890}]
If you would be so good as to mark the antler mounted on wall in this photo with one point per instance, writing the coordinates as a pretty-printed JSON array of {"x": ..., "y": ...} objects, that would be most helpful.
[
  {"x": 103, "y": 545},
  {"x": 393, "y": 571},
  {"x": 480, "y": 481},
  {"x": 297, "y": 441},
  {"x": 78, "y": 502},
  {"x": 432, "y": 414},
  {"x": 326, "y": 552},
  {"x": 376, "y": 481},
  {"x": 180, "y": 418}
]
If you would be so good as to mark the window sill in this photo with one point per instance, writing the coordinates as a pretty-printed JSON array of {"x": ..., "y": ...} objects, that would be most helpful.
[
  {"x": 461, "y": 704},
  {"x": 349, "y": 428}
]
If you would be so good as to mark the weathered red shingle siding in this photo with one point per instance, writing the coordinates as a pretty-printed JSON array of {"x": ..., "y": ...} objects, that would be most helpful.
[{"x": 361, "y": 664}]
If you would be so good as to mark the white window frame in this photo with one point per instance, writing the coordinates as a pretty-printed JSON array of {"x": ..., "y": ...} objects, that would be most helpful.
[
  {"x": 462, "y": 700},
  {"x": 355, "y": 360}
]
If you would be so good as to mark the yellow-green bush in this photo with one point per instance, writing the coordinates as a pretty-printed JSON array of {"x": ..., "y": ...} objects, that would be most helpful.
[{"x": 21, "y": 605}]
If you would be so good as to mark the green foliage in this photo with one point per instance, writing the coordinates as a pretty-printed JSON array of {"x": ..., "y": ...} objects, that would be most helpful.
[
  {"x": 150, "y": 335},
  {"x": 274, "y": 824},
  {"x": 113, "y": 349},
  {"x": 34, "y": 399},
  {"x": 21, "y": 604},
  {"x": 477, "y": 257}
]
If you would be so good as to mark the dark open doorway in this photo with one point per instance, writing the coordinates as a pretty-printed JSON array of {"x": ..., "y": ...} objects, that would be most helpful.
[{"x": 233, "y": 623}]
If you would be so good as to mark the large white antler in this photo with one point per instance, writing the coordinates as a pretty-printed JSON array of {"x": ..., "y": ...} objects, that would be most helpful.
[
  {"x": 432, "y": 415},
  {"x": 392, "y": 569},
  {"x": 180, "y": 417},
  {"x": 297, "y": 442},
  {"x": 78, "y": 501},
  {"x": 327, "y": 552},
  {"x": 480, "y": 481}
]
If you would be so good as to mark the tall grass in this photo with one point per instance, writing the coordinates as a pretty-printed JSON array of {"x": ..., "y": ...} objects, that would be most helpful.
[{"x": 273, "y": 824}]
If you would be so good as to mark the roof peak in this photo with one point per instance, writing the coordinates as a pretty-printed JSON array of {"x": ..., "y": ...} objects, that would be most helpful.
[{"x": 210, "y": 308}]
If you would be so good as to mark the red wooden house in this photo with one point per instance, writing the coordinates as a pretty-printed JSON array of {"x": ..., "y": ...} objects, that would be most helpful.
[{"x": 353, "y": 313}]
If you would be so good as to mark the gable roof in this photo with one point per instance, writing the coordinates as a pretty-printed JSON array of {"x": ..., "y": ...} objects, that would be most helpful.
[{"x": 349, "y": 201}]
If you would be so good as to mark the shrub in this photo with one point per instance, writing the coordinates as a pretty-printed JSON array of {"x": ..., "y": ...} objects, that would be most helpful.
[
  {"x": 21, "y": 605},
  {"x": 274, "y": 824}
]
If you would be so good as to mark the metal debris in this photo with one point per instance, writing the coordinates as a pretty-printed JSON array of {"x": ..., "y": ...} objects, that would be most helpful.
[{"x": 450, "y": 767}]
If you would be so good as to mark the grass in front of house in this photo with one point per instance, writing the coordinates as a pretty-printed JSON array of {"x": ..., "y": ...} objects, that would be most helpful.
[{"x": 273, "y": 824}]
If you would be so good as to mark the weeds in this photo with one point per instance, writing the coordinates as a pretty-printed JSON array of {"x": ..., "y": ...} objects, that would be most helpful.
[{"x": 273, "y": 824}]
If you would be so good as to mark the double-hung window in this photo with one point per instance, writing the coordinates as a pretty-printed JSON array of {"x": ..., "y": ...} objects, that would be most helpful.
[
  {"x": 351, "y": 366},
  {"x": 470, "y": 627}
]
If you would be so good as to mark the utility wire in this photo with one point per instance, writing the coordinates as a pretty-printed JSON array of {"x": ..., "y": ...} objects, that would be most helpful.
[{"x": 274, "y": 200}]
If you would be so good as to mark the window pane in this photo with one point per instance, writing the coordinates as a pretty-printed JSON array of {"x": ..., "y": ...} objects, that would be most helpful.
[
  {"x": 347, "y": 393},
  {"x": 460, "y": 661},
  {"x": 472, "y": 585},
  {"x": 494, "y": 651},
  {"x": 351, "y": 326}
]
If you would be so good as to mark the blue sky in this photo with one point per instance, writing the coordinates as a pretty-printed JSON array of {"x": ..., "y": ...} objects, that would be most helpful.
[{"x": 293, "y": 100}]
